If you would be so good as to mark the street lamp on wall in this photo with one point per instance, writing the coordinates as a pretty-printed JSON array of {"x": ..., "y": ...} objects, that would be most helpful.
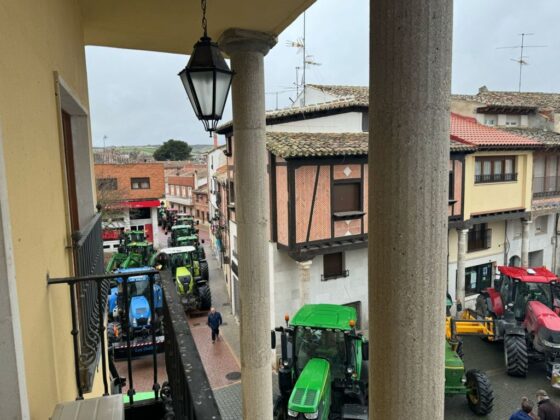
[{"x": 207, "y": 79}]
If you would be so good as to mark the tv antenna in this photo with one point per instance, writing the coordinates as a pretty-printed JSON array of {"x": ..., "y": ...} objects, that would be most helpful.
[
  {"x": 522, "y": 58},
  {"x": 307, "y": 60}
]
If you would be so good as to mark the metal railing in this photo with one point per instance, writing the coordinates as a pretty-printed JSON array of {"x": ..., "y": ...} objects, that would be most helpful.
[
  {"x": 481, "y": 179},
  {"x": 87, "y": 247},
  {"x": 187, "y": 393},
  {"x": 546, "y": 186},
  {"x": 344, "y": 273}
]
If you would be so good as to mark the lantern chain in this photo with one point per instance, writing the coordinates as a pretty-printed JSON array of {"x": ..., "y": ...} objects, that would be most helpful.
[{"x": 204, "y": 22}]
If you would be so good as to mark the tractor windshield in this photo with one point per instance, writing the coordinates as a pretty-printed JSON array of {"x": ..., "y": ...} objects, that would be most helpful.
[
  {"x": 181, "y": 260},
  {"x": 325, "y": 344},
  {"x": 136, "y": 237},
  {"x": 528, "y": 292},
  {"x": 139, "y": 288}
]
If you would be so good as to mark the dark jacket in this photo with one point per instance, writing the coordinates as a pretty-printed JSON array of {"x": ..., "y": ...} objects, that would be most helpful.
[
  {"x": 214, "y": 320},
  {"x": 520, "y": 415},
  {"x": 549, "y": 410}
]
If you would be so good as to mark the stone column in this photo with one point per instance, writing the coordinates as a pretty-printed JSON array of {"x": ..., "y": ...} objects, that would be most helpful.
[
  {"x": 525, "y": 243},
  {"x": 304, "y": 280},
  {"x": 247, "y": 50},
  {"x": 461, "y": 252},
  {"x": 410, "y": 56}
]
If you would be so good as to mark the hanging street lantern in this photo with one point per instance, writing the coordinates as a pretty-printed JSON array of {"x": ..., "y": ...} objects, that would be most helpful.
[{"x": 207, "y": 79}]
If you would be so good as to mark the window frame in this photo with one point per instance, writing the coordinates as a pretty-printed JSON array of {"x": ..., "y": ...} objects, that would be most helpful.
[
  {"x": 101, "y": 184},
  {"x": 139, "y": 181},
  {"x": 344, "y": 213},
  {"x": 483, "y": 242},
  {"x": 480, "y": 284},
  {"x": 343, "y": 272},
  {"x": 493, "y": 177}
]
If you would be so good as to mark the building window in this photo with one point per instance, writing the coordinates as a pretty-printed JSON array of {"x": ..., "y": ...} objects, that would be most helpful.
[
  {"x": 478, "y": 278},
  {"x": 480, "y": 237},
  {"x": 333, "y": 266},
  {"x": 166, "y": 188},
  {"x": 494, "y": 169},
  {"x": 140, "y": 213},
  {"x": 347, "y": 197},
  {"x": 451, "y": 186},
  {"x": 140, "y": 183},
  {"x": 106, "y": 184},
  {"x": 536, "y": 258},
  {"x": 489, "y": 121},
  {"x": 541, "y": 224}
]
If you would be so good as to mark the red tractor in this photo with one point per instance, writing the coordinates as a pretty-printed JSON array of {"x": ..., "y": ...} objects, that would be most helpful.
[{"x": 525, "y": 304}]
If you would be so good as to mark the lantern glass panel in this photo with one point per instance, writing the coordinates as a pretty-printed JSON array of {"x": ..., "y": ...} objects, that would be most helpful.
[
  {"x": 186, "y": 84},
  {"x": 203, "y": 84},
  {"x": 223, "y": 80}
]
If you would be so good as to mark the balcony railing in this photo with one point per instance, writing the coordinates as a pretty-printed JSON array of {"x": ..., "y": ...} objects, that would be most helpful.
[
  {"x": 187, "y": 393},
  {"x": 481, "y": 179},
  {"x": 546, "y": 186}
]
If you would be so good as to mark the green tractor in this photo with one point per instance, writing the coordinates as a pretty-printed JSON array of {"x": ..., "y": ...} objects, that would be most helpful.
[
  {"x": 180, "y": 231},
  {"x": 200, "y": 254},
  {"x": 193, "y": 289},
  {"x": 127, "y": 242},
  {"x": 323, "y": 370},
  {"x": 473, "y": 383}
]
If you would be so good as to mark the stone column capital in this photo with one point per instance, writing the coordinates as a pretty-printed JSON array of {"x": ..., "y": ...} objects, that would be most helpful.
[
  {"x": 305, "y": 265},
  {"x": 463, "y": 231},
  {"x": 527, "y": 222},
  {"x": 243, "y": 40}
]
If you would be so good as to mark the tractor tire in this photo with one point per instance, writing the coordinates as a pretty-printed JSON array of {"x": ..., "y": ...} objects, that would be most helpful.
[
  {"x": 516, "y": 357},
  {"x": 480, "y": 395},
  {"x": 114, "y": 332},
  {"x": 280, "y": 409},
  {"x": 204, "y": 270},
  {"x": 205, "y": 297}
]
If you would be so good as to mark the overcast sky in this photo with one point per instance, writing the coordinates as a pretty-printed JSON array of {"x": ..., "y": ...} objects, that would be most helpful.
[{"x": 136, "y": 97}]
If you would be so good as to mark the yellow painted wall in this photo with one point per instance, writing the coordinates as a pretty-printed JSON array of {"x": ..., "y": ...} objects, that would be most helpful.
[
  {"x": 37, "y": 38},
  {"x": 491, "y": 197},
  {"x": 498, "y": 239}
]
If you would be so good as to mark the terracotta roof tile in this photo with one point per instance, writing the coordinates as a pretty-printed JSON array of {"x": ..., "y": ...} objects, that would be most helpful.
[
  {"x": 358, "y": 93},
  {"x": 549, "y": 139},
  {"x": 467, "y": 130},
  {"x": 290, "y": 145},
  {"x": 541, "y": 100}
]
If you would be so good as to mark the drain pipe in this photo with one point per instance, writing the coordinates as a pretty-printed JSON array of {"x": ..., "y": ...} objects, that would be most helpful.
[{"x": 555, "y": 254}]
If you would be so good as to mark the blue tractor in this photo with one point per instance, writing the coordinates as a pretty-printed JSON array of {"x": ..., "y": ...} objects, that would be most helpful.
[{"x": 140, "y": 316}]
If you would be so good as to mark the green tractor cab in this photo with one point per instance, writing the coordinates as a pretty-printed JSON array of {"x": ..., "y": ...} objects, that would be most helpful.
[
  {"x": 139, "y": 254},
  {"x": 323, "y": 365},
  {"x": 185, "y": 269},
  {"x": 193, "y": 240}
]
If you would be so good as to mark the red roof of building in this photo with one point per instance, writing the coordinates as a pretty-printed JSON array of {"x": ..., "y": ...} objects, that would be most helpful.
[
  {"x": 466, "y": 130},
  {"x": 541, "y": 274}
]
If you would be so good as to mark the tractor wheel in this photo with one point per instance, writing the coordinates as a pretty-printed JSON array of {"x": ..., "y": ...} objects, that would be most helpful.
[
  {"x": 279, "y": 412},
  {"x": 204, "y": 270},
  {"x": 205, "y": 297},
  {"x": 516, "y": 357},
  {"x": 114, "y": 332},
  {"x": 479, "y": 392}
]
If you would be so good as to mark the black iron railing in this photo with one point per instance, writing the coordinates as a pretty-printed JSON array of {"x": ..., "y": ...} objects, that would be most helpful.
[
  {"x": 481, "y": 179},
  {"x": 88, "y": 259},
  {"x": 546, "y": 186},
  {"x": 187, "y": 393},
  {"x": 344, "y": 273},
  {"x": 192, "y": 397}
]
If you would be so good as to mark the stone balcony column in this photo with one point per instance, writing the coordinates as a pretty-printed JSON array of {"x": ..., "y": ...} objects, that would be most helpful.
[
  {"x": 525, "y": 243},
  {"x": 410, "y": 69},
  {"x": 304, "y": 281},
  {"x": 247, "y": 50},
  {"x": 461, "y": 253}
]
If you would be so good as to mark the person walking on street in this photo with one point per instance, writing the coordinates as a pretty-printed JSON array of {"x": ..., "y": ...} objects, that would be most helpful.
[
  {"x": 548, "y": 410},
  {"x": 526, "y": 412},
  {"x": 214, "y": 322}
]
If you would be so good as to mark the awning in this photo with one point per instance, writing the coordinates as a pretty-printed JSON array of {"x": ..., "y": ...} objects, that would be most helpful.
[{"x": 137, "y": 204}]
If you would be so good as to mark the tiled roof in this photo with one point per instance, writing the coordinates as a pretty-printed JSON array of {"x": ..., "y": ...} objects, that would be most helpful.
[
  {"x": 548, "y": 138},
  {"x": 467, "y": 130},
  {"x": 358, "y": 93},
  {"x": 544, "y": 101},
  {"x": 290, "y": 145},
  {"x": 457, "y": 146},
  {"x": 303, "y": 111}
]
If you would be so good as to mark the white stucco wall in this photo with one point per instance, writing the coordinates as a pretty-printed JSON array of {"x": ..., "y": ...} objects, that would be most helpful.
[
  {"x": 537, "y": 240},
  {"x": 338, "y": 123},
  {"x": 339, "y": 291}
]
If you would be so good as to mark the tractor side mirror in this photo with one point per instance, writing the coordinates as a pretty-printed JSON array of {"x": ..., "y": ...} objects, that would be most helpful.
[
  {"x": 202, "y": 240},
  {"x": 272, "y": 339},
  {"x": 365, "y": 350}
]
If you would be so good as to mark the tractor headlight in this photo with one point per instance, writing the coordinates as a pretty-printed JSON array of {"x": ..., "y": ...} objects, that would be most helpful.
[
  {"x": 311, "y": 415},
  {"x": 549, "y": 338},
  {"x": 292, "y": 413}
]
